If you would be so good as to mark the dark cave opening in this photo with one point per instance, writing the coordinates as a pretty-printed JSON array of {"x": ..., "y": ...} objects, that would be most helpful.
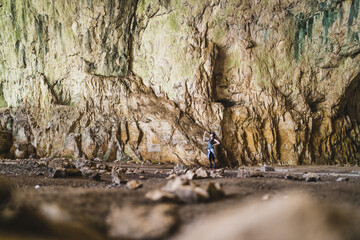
[{"x": 351, "y": 102}]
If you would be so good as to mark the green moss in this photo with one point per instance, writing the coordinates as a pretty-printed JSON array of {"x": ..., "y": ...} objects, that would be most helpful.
[
  {"x": 3, "y": 102},
  {"x": 172, "y": 21}
]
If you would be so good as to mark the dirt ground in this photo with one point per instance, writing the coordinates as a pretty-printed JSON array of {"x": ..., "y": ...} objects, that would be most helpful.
[{"x": 89, "y": 202}]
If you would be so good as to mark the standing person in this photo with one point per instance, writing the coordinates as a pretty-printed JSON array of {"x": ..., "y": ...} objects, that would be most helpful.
[{"x": 212, "y": 142}]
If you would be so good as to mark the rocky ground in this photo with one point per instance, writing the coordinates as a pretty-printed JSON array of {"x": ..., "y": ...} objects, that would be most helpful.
[{"x": 83, "y": 199}]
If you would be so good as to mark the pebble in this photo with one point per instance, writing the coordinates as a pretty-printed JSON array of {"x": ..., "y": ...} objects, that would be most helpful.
[
  {"x": 311, "y": 177},
  {"x": 341, "y": 179},
  {"x": 133, "y": 184}
]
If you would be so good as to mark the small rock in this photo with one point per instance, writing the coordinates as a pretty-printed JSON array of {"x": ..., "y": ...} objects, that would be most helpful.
[
  {"x": 201, "y": 173},
  {"x": 220, "y": 170},
  {"x": 156, "y": 172},
  {"x": 133, "y": 184},
  {"x": 129, "y": 171},
  {"x": 311, "y": 177},
  {"x": 341, "y": 179},
  {"x": 37, "y": 186},
  {"x": 138, "y": 171},
  {"x": 141, "y": 177},
  {"x": 117, "y": 178},
  {"x": 243, "y": 173},
  {"x": 190, "y": 174},
  {"x": 89, "y": 173},
  {"x": 57, "y": 173},
  {"x": 171, "y": 176},
  {"x": 142, "y": 222},
  {"x": 187, "y": 191},
  {"x": 290, "y": 176},
  {"x": 215, "y": 174},
  {"x": 266, "y": 168}
]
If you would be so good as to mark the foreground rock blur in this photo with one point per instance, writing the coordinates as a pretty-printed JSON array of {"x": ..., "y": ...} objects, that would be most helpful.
[
  {"x": 277, "y": 81},
  {"x": 296, "y": 217},
  {"x": 142, "y": 222}
]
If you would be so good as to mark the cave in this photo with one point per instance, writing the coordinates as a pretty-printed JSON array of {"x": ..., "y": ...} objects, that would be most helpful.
[{"x": 106, "y": 110}]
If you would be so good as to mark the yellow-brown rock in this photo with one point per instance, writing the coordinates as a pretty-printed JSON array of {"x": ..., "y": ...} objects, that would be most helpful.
[{"x": 278, "y": 82}]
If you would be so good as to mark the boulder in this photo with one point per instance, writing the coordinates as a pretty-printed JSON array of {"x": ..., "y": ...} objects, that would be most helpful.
[
  {"x": 142, "y": 222},
  {"x": 296, "y": 217}
]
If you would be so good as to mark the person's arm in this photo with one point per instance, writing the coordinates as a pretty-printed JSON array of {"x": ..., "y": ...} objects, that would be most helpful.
[
  {"x": 204, "y": 137},
  {"x": 216, "y": 142}
]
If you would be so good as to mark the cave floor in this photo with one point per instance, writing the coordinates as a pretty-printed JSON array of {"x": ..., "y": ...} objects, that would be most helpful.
[{"x": 89, "y": 202}]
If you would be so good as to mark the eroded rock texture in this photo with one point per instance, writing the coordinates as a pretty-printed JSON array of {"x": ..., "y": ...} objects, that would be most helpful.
[{"x": 278, "y": 81}]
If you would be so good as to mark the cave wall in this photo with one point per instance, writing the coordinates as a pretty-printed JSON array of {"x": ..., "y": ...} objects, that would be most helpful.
[{"x": 276, "y": 80}]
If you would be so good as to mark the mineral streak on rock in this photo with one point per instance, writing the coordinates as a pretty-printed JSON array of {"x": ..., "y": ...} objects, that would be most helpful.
[{"x": 277, "y": 81}]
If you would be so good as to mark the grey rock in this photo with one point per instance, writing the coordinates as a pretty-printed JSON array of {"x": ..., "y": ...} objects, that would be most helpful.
[
  {"x": 341, "y": 179},
  {"x": 290, "y": 176},
  {"x": 311, "y": 177},
  {"x": 201, "y": 173}
]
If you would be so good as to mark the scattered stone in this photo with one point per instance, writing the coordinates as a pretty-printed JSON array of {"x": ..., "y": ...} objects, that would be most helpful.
[
  {"x": 133, "y": 184},
  {"x": 201, "y": 173},
  {"x": 311, "y": 177},
  {"x": 244, "y": 173},
  {"x": 142, "y": 222},
  {"x": 290, "y": 176},
  {"x": 187, "y": 191},
  {"x": 266, "y": 168},
  {"x": 215, "y": 174},
  {"x": 220, "y": 170},
  {"x": 138, "y": 171},
  {"x": 92, "y": 174},
  {"x": 190, "y": 174},
  {"x": 37, "y": 186},
  {"x": 117, "y": 178},
  {"x": 129, "y": 171},
  {"x": 171, "y": 176},
  {"x": 156, "y": 172},
  {"x": 57, "y": 173},
  {"x": 341, "y": 179},
  {"x": 141, "y": 177}
]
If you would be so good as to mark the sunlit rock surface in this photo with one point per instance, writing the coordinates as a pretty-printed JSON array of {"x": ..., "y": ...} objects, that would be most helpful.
[{"x": 278, "y": 82}]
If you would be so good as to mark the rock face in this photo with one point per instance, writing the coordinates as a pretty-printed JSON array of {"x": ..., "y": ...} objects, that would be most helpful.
[{"x": 278, "y": 82}]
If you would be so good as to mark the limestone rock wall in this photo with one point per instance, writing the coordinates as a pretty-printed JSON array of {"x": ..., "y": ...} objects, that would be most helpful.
[{"x": 278, "y": 81}]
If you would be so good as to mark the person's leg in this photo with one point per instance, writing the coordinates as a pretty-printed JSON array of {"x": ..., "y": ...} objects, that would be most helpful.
[
  {"x": 209, "y": 157},
  {"x": 212, "y": 160}
]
